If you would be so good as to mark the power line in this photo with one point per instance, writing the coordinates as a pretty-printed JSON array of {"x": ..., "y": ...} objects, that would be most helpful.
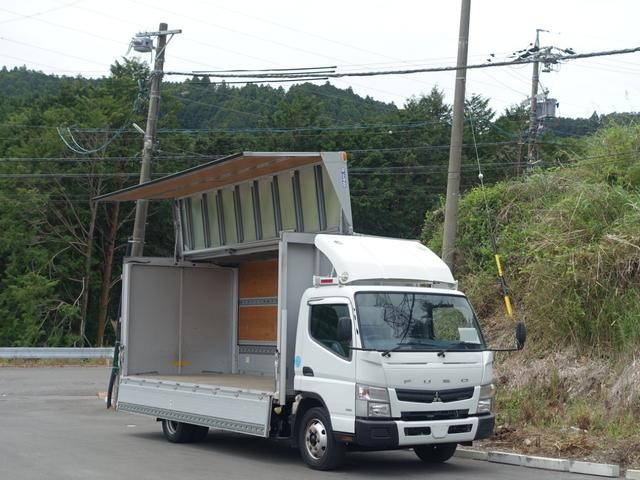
[
  {"x": 415, "y": 168},
  {"x": 197, "y": 102},
  {"x": 425, "y": 147},
  {"x": 288, "y": 27},
  {"x": 198, "y": 156},
  {"x": 214, "y": 46},
  {"x": 408, "y": 169},
  {"x": 504, "y": 84},
  {"x": 263, "y": 39},
  {"x": 550, "y": 58},
  {"x": 32, "y": 15},
  {"x": 73, "y": 145},
  {"x": 229, "y": 29},
  {"x": 76, "y": 175},
  {"x": 329, "y": 69},
  {"x": 32, "y": 62},
  {"x": 123, "y": 159},
  {"x": 58, "y": 25},
  {"x": 250, "y": 82},
  {"x": 338, "y": 42},
  {"x": 88, "y": 60},
  {"x": 84, "y": 32},
  {"x": 576, "y": 162},
  {"x": 363, "y": 126}
]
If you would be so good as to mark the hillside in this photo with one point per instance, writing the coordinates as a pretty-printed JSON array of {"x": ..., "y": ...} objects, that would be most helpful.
[
  {"x": 570, "y": 240},
  {"x": 202, "y": 104}
]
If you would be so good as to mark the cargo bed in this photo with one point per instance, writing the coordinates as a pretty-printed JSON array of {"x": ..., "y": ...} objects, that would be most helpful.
[{"x": 211, "y": 343}]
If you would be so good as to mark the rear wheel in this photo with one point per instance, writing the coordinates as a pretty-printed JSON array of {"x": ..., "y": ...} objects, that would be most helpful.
[
  {"x": 438, "y": 453},
  {"x": 178, "y": 432},
  {"x": 318, "y": 447},
  {"x": 199, "y": 433}
]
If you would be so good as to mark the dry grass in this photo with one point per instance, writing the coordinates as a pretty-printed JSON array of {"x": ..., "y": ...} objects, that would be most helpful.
[
  {"x": 566, "y": 444},
  {"x": 570, "y": 406}
]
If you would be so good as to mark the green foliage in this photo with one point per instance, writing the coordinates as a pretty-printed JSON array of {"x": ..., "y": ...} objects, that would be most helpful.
[
  {"x": 30, "y": 312},
  {"x": 55, "y": 247},
  {"x": 570, "y": 241}
]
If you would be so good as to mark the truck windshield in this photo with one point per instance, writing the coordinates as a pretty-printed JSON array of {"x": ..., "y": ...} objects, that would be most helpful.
[{"x": 417, "y": 321}]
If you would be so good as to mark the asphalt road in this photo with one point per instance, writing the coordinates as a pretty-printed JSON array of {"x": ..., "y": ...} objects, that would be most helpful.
[{"x": 53, "y": 426}]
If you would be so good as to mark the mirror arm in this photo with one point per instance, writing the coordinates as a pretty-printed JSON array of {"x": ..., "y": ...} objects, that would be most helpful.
[{"x": 513, "y": 349}]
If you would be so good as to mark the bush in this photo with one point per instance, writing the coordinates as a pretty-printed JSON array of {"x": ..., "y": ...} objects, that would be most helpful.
[{"x": 570, "y": 242}]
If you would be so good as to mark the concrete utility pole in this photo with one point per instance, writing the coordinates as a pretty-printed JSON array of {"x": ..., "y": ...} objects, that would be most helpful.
[
  {"x": 455, "y": 150},
  {"x": 533, "y": 118},
  {"x": 139, "y": 225}
]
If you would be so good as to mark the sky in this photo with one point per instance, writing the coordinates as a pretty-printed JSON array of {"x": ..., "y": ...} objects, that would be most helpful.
[{"x": 84, "y": 37}]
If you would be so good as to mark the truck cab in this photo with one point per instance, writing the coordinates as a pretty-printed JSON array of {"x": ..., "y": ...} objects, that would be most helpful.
[{"x": 392, "y": 353}]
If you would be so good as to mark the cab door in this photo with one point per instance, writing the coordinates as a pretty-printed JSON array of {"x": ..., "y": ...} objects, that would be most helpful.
[{"x": 325, "y": 365}]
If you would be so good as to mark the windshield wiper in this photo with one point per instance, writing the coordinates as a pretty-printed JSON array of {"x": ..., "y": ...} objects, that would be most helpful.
[
  {"x": 457, "y": 345},
  {"x": 386, "y": 352}
]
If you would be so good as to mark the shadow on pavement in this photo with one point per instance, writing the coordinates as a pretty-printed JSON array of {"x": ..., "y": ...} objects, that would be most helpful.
[{"x": 279, "y": 454}]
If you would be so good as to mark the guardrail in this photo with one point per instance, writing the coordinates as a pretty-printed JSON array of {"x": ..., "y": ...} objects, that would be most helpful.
[{"x": 55, "y": 352}]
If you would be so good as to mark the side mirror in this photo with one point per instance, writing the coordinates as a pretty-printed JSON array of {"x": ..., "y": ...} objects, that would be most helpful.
[
  {"x": 344, "y": 329},
  {"x": 521, "y": 335}
]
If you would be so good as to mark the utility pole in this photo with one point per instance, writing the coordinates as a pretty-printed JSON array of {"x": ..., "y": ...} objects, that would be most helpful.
[
  {"x": 455, "y": 149},
  {"x": 142, "y": 42},
  {"x": 533, "y": 119}
]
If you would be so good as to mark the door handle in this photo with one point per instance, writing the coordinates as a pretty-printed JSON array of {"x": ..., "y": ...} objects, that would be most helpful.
[{"x": 307, "y": 372}]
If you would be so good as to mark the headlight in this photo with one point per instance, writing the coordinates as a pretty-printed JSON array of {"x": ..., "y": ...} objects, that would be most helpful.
[
  {"x": 377, "y": 409},
  {"x": 365, "y": 392},
  {"x": 487, "y": 391},
  {"x": 372, "y": 402},
  {"x": 485, "y": 403}
]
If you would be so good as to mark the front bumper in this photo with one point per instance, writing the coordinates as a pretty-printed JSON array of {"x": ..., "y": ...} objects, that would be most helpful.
[
  {"x": 386, "y": 434},
  {"x": 486, "y": 425}
]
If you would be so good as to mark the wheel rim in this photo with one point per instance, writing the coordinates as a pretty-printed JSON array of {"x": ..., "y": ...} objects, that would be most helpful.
[
  {"x": 172, "y": 427},
  {"x": 315, "y": 439}
]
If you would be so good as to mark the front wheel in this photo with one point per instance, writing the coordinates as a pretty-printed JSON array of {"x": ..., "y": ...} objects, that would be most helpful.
[
  {"x": 438, "y": 453},
  {"x": 318, "y": 447},
  {"x": 178, "y": 432}
]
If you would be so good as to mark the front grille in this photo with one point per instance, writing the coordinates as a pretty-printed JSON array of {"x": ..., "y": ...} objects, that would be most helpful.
[
  {"x": 429, "y": 396},
  {"x": 439, "y": 415}
]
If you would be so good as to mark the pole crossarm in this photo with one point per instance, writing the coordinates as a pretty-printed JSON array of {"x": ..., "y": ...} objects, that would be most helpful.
[{"x": 158, "y": 33}]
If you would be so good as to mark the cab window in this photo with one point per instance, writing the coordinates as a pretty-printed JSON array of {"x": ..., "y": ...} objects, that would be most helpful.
[{"x": 323, "y": 327}]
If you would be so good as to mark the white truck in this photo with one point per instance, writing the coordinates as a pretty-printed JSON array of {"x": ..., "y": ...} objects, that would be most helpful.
[{"x": 274, "y": 319}]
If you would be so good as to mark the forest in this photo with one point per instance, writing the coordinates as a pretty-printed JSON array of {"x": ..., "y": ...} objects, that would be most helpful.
[{"x": 66, "y": 140}]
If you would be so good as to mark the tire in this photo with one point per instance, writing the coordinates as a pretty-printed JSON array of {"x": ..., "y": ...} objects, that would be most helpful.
[
  {"x": 438, "y": 453},
  {"x": 199, "y": 433},
  {"x": 318, "y": 448},
  {"x": 178, "y": 432}
]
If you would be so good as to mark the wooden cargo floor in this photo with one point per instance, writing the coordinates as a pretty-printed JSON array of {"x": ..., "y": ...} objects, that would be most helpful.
[{"x": 263, "y": 383}]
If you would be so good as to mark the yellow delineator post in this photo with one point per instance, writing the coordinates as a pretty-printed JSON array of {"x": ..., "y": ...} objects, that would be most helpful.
[{"x": 503, "y": 284}]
